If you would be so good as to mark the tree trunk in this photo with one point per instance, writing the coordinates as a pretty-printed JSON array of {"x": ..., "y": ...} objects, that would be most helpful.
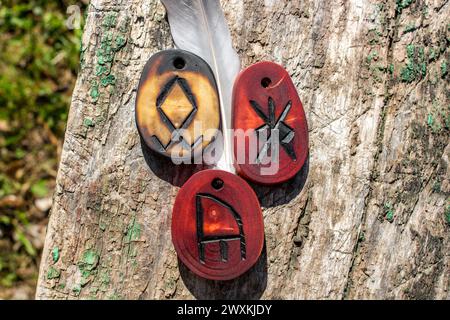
[{"x": 367, "y": 217}]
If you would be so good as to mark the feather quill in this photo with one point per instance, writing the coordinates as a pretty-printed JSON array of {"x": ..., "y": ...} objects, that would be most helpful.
[{"x": 199, "y": 26}]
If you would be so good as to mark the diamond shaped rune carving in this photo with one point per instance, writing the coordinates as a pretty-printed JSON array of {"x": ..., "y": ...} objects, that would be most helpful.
[
  {"x": 177, "y": 107},
  {"x": 177, "y": 103}
]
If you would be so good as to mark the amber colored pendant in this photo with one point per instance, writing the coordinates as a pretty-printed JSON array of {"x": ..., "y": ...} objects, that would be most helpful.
[
  {"x": 217, "y": 225},
  {"x": 265, "y": 101},
  {"x": 177, "y": 92}
]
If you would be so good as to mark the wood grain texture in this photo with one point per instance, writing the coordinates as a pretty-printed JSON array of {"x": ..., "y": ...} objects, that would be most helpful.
[{"x": 367, "y": 217}]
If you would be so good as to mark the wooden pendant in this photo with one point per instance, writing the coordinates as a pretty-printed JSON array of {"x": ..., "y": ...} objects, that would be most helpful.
[
  {"x": 177, "y": 93},
  {"x": 217, "y": 225},
  {"x": 273, "y": 144}
]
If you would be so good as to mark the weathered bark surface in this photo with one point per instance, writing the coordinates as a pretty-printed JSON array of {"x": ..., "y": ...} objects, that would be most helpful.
[{"x": 368, "y": 217}]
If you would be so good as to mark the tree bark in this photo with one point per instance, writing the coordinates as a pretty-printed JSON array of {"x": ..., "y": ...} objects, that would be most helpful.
[{"x": 367, "y": 217}]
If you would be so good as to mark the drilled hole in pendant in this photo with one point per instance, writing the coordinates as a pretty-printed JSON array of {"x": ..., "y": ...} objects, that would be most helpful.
[
  {"x": 217, "y": 183},
  {"x": 265, "y": 82},
  {"x": 179, "y": 63}
]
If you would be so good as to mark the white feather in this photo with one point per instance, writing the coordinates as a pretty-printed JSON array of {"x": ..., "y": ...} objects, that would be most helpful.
[{"x": 199, "y": 26}]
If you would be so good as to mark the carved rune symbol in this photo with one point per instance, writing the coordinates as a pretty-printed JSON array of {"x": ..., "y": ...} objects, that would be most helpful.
[
  {"x": 177, "y": 107},
  {"x": 286, "y": 133},
  {"x": 221, "y": 223}
]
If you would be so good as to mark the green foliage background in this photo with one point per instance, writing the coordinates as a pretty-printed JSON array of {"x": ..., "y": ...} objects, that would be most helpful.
[{"x": 39, "y": 58}]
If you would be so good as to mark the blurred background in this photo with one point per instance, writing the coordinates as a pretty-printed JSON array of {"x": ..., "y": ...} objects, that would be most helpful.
[{"x": 39, "y": 57}]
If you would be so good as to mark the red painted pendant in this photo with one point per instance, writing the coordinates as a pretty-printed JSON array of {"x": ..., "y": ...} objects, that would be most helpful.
[
  {"x": 273, "y": 143},
  {"x": 217, "y": 225}
]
